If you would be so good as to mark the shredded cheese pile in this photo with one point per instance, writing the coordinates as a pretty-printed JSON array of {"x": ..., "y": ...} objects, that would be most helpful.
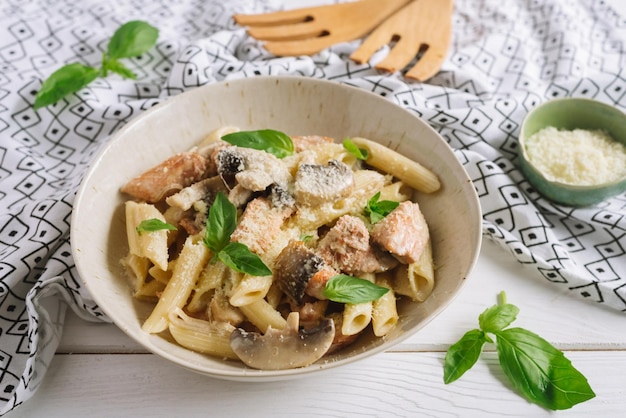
[{"x": 578, "y": 157}]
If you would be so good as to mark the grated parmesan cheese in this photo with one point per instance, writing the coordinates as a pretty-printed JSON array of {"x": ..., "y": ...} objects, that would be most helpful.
[{"x": 578, "y": 157}]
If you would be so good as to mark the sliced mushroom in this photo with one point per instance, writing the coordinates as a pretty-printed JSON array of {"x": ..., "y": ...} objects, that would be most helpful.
[
  {"x": 299, "y": 271},
  {"x": 315, "y": 183},
  {"x": 287, "y": 348},
  {"x": 253, "y": 169},
  {"x": 281, "y": 197}
]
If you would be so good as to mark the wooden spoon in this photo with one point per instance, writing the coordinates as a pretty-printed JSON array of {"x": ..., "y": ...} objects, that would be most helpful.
[
  {"x": 422, "y": 27},
  {"x": 308, "y": 30}
]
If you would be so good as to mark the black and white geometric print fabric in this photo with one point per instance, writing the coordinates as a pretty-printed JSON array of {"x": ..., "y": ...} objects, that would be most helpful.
[{"x": 507, "y": 57}]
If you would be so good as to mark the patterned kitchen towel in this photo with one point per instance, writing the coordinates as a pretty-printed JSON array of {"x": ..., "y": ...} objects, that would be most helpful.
[{"x": 507, "y": 57}]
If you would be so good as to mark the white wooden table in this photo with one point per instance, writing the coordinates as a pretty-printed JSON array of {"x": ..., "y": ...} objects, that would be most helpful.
[{"x": 100, "y": 372}]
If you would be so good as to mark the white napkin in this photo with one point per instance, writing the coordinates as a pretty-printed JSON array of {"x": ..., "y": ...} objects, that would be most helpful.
[{"x": 507, "y": 57}]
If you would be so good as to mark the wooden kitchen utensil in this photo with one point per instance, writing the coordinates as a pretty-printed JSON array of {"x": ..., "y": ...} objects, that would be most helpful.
[
  {"x": 308, "y": 30},
  {"x": 422, "y": 27}
]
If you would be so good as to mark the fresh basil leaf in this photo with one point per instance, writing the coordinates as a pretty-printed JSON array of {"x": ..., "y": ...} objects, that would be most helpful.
[
  {"x": 152, "y": 225},
  {"x": 220, "y": 224},
  {"x": 238, "y": 257},
  {"x": 377, "y": 210},
  {"x": 463, "y": 354},
  {"x": 353, "y": 290},
  {"x": 117, "y": 67},
  {"x": 352, "y": 148},
  {"x": 66, "y": 80},
  {"x": 539, "y": 371},
  {"x": 274, "y": 142},
  {"x": 497, "y": 317},
  {"x": 132, "y": 39}
]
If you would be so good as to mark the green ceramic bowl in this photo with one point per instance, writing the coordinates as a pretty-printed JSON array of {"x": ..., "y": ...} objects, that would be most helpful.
[{"x": 569, "y": 114}]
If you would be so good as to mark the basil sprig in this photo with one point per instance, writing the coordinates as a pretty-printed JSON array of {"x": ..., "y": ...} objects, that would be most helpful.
[
  {"x": 154, "y": 224},
  {"x": 536, "y": 369},
  {"x": 220, "y": 224},
  {"x": 352, "y": 148},
  {"x": 131, "y": 39},
  {"x": 378, "y": 209},
  {"x": 276, "y": 143},
  {"x": 349, "y": 289}
]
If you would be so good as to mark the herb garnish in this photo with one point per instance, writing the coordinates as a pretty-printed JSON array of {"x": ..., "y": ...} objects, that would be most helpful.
[
  {"x": 377, "y": 210},
  {"x": 351, "y": 147},
  {"x": 131, "y": 39},
  {"x": 220, "y": 224},
  {"x": 275, "y": 142},
  {"x": 152, "y": 225},
  {"x": 348, "y": 289},
  {"x": 537, "y": 370}
]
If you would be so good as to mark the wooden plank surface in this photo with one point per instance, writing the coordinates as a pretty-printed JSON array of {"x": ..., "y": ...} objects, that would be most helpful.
[{"x": 387, "y": 385}]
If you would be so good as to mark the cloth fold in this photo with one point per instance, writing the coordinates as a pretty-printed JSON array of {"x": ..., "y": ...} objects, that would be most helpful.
[{"x": 507, "y": 57}]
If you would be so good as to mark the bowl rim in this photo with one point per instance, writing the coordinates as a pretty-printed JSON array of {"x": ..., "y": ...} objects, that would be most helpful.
[
  {"x": 251, "y": 374},
  {"x": 556, "y": 183}
]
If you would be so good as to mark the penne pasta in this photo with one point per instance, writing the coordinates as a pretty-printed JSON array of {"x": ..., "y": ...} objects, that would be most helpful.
[
  {"x": 396, "y": 191},
  {"x": 192, "y": 259},
  {"x": 142, "y": 283},
  {"x": 137, "y": 268},
  {"x": 201, "y": 336},
  {"x": 149, "y": 290},
  {"x": 250, "y": 289},
  {"x": 212, "y": 277},
  {"x": 262, "y": 315},
  {"x": 162, "y": 276},
  {"x": 416, "y": 280},
  {"x": 152, "y": 245},
  {"x": 396, "y": 164},
  {"x": 384, "y": 310},
  {"x": 356, "y": 318}
]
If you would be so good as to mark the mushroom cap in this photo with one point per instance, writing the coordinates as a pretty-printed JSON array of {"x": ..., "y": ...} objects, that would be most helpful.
[
  {"x": 286, "y": 348},
  {"x": 295, "y": 265},
  {"x": 316, "y": 184}
]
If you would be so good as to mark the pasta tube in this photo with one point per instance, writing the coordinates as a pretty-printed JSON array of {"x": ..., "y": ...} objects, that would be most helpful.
[
  {"x": 384, "y": 310},
  {"x": 416, "y": 280},
  {"x": 190, "y": 263},
  {"x": 356, "y": 318},
  {"x": 401, "y": 167},
  {"x": 201, "y": 336},
  {"x": 250, "y": 289},
  {"x": 262, "y": 315},
  {"x": 152, "y": 245},
  {"x": 212, "y": 277}
]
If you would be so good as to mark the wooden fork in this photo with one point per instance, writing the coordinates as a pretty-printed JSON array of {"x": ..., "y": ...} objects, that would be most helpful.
[
  {"x": 308, "y": 30},
  {"x": 422, "y": 27}
]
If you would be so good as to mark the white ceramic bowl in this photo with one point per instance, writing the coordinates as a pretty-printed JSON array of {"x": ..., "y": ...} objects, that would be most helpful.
[{"x": 297, "y": 106}]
